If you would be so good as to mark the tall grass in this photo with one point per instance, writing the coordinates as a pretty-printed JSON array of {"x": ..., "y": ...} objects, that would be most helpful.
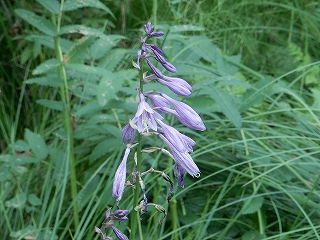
[{"x": 259, "y": 158}]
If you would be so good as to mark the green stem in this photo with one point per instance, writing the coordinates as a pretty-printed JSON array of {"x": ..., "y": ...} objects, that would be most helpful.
[
  {"x": 67, "y": 119},
  {"x": 134, "y": 216}
]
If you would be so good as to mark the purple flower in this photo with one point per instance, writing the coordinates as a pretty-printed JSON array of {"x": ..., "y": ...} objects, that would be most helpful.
[
  {"x": 185, "y": 114},
  {"x": 183, "y": 159},
  {"x": 120, "y": 176},
  {"x": 155, "y": 70},
  {"x": 145, "y": 116},
  {"x": 119, "y": 234},
  {"x": 128, "y": 134},
  {"x": 104, "y": 237},
  {"x": 176, "y": 85},
  {"x": 149, "y": 31},
  {"x": 181, "y": 142},
  {"x": 157, "y": 101},
  {"x": 121, "y": 215},
  {"x": 179, "y": 174}
]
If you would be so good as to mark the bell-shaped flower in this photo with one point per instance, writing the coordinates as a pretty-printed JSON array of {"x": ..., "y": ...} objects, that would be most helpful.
[
  {"x": 120, "y": 235},
  {"x": 120, "y": 176},
  {"x": 177, "y": 85},
  {"x": 145, "y": 116},
  {"x": 128, "y": 134},
  {"x": 183, "y": 159},
  {"x": 150, "y": 31},
  {"x": 157, "y": 101},
  {"x": 185, "y": 114},
  {"x": 181, "y": 142}
]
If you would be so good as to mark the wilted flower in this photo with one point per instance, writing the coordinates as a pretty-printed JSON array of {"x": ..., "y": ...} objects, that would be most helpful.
[
  {"x": 179, "y": 174},
  {"x": 128, "y": 134},
  {"x": 120, "y": 176}
]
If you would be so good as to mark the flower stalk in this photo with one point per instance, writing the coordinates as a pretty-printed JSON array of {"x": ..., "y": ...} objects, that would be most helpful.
[{"x": 149, "y": 121}]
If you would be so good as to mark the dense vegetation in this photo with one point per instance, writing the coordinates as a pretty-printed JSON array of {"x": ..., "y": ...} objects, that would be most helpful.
[{"x": 64, "y": 98}]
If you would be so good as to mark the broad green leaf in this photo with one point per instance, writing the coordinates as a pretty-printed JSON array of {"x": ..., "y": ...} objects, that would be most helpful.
[
  {"x": 20, "y": 160},
  {"x": 18, "y": 201},
  {"x": 56, "y": 105},
  {"x": 112, "y": 59},
  {"x": 228, "y": 107},
  {"x": 75, "y": 4},
  {"x": 79, "y": 49},
  {"x": 28, "y": 231},
  {"x": 52, "y": 6},
  {"x": 37, "y": 144},
  {"x": 41, "y": 23},
  {"x": 102, "y": 46},
  {"x": 34, "y": 200},
  {"x": 108, "y": 87},
  {"x": 48, "y": 41},
  {"x": 51, "y": 81},
  {"x": 87, "y": 31},
  {"x": 88, "y": 69},
  {"x": 252, "y": 205},
  {"x": 5, "y": 173},
  {"x": 20, "y": 146},
  {"x": 204, "y": 47},
  {"x": 46, "y": 66}
]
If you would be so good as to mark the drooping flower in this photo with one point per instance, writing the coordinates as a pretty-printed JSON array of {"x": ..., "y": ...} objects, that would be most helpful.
[
  {"x": 181, "y": 142},
  {"x": 185, "y": 114},
  {"x": 145, "y": 116},
  {"x": 120, "y": 235},
  {"x": 120, "y": 176},
  {"x": 183, "y": 159},
  {"x": 177, "y": 85}
]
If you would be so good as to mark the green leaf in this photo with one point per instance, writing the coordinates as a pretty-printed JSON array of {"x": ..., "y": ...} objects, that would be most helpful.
[
  {"x": 52, "y": 6},
  {"x": 102, "y": 46},
  {"x": 252, "y": 235},
  {"x": 108, "y": 87},
  {"x": 88, "y": 69},
  {"x": 42, "y": 24},
  {"x": 23, "y": 233},
  {"x": 228, "y": 107},
  {"x": 51, "y": 81},
  {"x": 252, "y": 205},
  {"x": 23, "y": 160},
  {"x": 113, "y": 58},
  {"x": 37, "y": 144},
  {"x": 56, "y": 105},
  {"x": 87, "y": 31},
  {"x": 76, "y": 4},
  {"x": 46, "y": 66},
  {"x": 20, "y": 146},
  {"x": 184, "y": 28},
  {"x": 34, "y": 200},
  {"x": 18, "y": 201}
]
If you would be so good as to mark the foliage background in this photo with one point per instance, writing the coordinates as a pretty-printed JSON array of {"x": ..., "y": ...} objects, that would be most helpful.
[{"x": 254, "y": 66}]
